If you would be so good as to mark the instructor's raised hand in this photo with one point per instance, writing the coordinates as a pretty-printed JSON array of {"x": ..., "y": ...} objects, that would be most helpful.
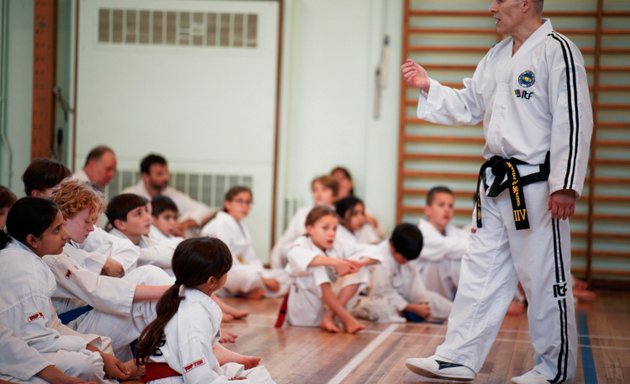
[{"x": 414, "y": 75}]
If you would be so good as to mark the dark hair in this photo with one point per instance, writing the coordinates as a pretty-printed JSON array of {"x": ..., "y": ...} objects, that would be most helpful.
[
  {"x": 7, "y": 198},
  {"x": 195, "y": 260},
  {"x": 327, "y": 181},
  {"x": 42, "y": 174},
  {"x": 346, "y": 205},
  {"x": 121, "y": 205},
  {"x": 149, "y": 160},
  {"x": 234, "y": 191},
  {"x": 435, "y": 190},
  {"x": 317, "y": 213},
  {"x": 28, "y": 216},
  {"x": 97, "y": 152},
  {"x": 346, "y": 173},
  {"x": 161, "y": 203},
  {"x": 407, "y": 240}
]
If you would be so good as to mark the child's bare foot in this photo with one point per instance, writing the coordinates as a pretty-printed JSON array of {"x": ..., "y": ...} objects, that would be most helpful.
[
  {"x": 136, "y": 371},
  {"x": 328, "y": 323},
  {"x": 271, "y": 284},
  {"x": 256, "y": 294},
  {"x": 353, "y": 326},
  {"x": 247, "y": 361},
  {"x": 227, "y": 318},
  {"x": 227, "y": 337}
]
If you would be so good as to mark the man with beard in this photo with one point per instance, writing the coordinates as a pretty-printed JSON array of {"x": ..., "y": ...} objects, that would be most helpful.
[{"x": 154, "y": 182}]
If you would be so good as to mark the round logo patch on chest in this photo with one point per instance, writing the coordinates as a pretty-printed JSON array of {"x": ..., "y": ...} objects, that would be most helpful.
[{"x": 526, "y": 79}]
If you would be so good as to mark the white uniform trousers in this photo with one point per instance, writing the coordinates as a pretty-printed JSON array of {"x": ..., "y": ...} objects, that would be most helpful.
[
  {"x": 499, "y": 256},
  {"x": 84, "y": 364},
  {"x": 305, "y": 307},
  {"x": 122, "y": 330}
]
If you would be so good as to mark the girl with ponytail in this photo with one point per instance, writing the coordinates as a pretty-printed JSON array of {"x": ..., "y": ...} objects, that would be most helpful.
[{"x": 181, "y": 344}]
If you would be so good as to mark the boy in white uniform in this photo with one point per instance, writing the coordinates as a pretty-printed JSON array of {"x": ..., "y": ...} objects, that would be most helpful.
[
  {"x": 395, "y": 285},
  {"x": 444, "y": 244},
  {"x": 131, "y": 220},
  {"x": 164, "y": 225},
  {"x": 531, "y": 92}
]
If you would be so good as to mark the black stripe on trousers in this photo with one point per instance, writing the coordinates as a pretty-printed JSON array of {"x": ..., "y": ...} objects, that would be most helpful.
[
  {"x": 563, "y": 356},
  {"x": 573, "y": 108}
]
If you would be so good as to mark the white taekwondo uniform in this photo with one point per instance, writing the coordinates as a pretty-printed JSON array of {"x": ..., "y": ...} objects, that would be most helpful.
[
  {"x": 295, "y": 229},
  {"x": 152, "y": 252},
  {"x": 188, "y": 346},
  {"x": 532, "y": 103},
  {"x": 101, "y": 245},
  {"x": 26, "y": 309},
  {"x": 115, "y": 313},
  {"x": 392, "y": 286},
  {"x": 17, "y": 359},
  {"x": 187, "y": 207},
  {"x": 305, "y": 307},
  {"x": 157, "y": 235},
  {"x": 441, "y": 257},
  {"x": 247, "y": 269}
]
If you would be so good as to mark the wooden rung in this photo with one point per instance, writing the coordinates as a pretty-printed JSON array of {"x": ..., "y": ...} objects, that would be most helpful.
[
  {"x": 449, "y": 67},
  {"x": 603, "y": 272},
  {"x": 610, "y": 199},
  {"x": 443, "y": 139},
  {"x": 601, "y": 235},
  {"x": 609, "y": 180},
  {"x": 614, "y": 143},
  {"x": 463, "y": 31},
  {"x": 420, "y": 211},
  {"x": 611, "y": 68},
  {"x": 451, "y": 49},
  {"x": 443, "y": 157},
  {"x": 602, "y": 254},
  {"x": 612, "y": 107},
  {"x": 613, "y": 125},
  {"x": 612, "y": 162},
  {"x": 616, "y": 13},
  {"x": 614, "y": 87}
]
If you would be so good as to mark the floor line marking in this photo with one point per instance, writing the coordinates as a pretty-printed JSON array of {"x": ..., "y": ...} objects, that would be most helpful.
[
  {"x": 588, "y": 365},
  {"x": 365, "y": 352}
]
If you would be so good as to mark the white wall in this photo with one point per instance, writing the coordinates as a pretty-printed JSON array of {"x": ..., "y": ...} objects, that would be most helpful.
[
  {"x": 19, "y": 95},
  {"x": 331, "y": 51}
]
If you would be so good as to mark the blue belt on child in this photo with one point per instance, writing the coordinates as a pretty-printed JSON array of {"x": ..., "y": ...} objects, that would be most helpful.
[
  {"x": 72, "y": 314},
  {"x": 514, "y": 184}
]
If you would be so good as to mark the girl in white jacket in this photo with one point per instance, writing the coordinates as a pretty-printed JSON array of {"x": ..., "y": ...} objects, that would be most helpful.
[
  {"x": 181, "y": 345},
  {"x": 247, "y": 278}
]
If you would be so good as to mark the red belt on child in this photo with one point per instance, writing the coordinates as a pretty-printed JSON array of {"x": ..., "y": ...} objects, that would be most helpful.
[
  {"x": 156, "y": 371},
  {"x": 282, "y": 313}
]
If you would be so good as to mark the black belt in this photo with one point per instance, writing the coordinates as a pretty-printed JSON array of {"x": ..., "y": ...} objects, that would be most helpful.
[{"x": 500, "y": 168}]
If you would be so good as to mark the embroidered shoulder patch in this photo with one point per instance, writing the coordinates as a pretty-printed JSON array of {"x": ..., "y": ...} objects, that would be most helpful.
[
  {"x": 526, "y": 79},
  {"x": 194, "y": 365},
  {"x": 35, "y": 316}
]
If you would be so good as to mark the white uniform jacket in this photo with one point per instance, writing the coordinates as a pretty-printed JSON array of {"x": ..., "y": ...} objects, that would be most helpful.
[
  {"x": 531, "y": 103},
  {"x": 295, "y": 229},
  {"x": 100, "y": 245},
  {"x": 156, "y": 235},
  {"x": 393, "y": 286},
  {"x": 188, "y": 345},
  {"x": 17, "y": 359},
  {"x": 25, "y": 304},
  {"x": 235, "y": 235},
  {"x": 152, "y": 252},
  {"x": 77, "y": 285},
  {"x": 188, "y": 208}
]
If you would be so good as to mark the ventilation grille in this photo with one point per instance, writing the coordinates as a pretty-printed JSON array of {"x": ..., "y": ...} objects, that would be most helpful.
[
  {"x": 209, "y": 189},
  {"x": 177, "y": 28}
]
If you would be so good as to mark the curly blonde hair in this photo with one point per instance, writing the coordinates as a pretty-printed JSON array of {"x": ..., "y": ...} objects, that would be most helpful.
[{"x": 72, "y": 196}]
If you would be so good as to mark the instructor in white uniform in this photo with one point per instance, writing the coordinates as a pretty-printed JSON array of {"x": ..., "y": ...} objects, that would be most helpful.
[{"x": 531, "y": 92}]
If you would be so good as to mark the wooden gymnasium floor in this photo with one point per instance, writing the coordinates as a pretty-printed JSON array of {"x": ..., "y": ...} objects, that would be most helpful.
[{"x": 377, "y": 355}]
